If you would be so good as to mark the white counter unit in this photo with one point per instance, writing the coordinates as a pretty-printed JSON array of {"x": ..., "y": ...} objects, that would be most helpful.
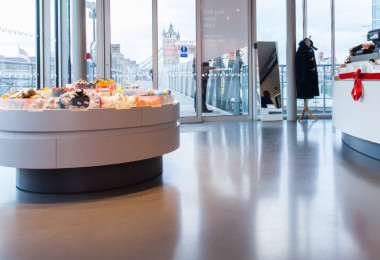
[
  {"x": 48, "y": 140},
  {"x": 358, "y": 120}
]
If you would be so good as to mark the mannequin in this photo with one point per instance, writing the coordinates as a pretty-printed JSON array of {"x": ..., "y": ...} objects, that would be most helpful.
[{"x": 306, "y": 74}]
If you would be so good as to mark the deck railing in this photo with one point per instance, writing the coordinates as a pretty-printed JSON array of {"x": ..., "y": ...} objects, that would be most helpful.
[{"x": 226, "y": 90}]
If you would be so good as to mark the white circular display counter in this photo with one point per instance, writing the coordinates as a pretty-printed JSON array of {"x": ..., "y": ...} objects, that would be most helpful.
[
  {"x": 58, "y": 151},
  {"x": 358, "y": 119}
]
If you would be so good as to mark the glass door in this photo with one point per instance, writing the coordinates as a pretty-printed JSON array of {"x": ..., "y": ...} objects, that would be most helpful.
[
  {"x": 225, "y": 70},
  {"x": 177, "y": 52},
  {"x": 215, "y": 76}
]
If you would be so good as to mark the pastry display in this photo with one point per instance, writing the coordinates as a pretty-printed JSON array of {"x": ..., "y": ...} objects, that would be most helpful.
[
  {"x": 57, "y": 92},
  {"x": 74, "y": 99},
  {"x": 118, "y": 101},
  {"x": 148, "y": 100},
  {"x": 29, "y": 99},
  {"x": 30, "y": 93},
  {"x": 102, "y": 96},
  {"x": 41, "y": 103},
  {"x": 45, "y": 92},
  {"x": 131, "y": 90},
  {"x": 85, "y": 85},
  {"x": 103, "y": 82},
  {"x": 166, "y": 96}
]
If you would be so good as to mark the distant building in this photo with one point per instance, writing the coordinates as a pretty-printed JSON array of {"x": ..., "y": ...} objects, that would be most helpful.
[
  {"x": 170, "y": 46},
  {"x": 17, "y": 73},
  {"x": 170, "y": 37},
  {"x": 121, "y": 67},
  {"x": 321, "y": 56}
]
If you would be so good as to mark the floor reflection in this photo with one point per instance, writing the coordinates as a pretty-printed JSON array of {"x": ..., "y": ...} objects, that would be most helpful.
[
  {"x": 112, "y": 224},
  {"x": 358, "y": 187},
  {"x": 233, "y": 190}
]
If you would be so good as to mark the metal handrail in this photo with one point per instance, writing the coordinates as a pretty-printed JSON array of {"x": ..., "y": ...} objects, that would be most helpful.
[{"x": 181, "y": 78}]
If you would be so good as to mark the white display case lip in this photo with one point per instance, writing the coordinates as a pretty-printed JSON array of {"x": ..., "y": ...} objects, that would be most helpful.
[{"x": 65, "y": 120}]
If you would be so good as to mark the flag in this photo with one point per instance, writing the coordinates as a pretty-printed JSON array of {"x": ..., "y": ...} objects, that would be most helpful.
[{"x": 23, "y": 54}]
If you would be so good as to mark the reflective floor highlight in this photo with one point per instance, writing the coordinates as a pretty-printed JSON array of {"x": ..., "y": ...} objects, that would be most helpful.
[{"x": 234, "y": 190}]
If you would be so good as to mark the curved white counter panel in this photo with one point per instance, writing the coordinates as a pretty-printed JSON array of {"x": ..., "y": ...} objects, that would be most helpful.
[
  {"x": 358, "y": 120},
  {"x": 72, "y": 142}
]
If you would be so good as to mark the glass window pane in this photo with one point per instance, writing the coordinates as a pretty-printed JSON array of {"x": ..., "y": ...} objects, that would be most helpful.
[
  {"x": 225, "y": 57},
  {"x": 177, "y": 49},
  {"x": 271, "y": 26},
  {"x": 375, "y": 15},
  {"x": 375, "y": 24},
  {"x": 131, "y": 42},
  {"x": 319, "y": 27},
  {"x": 53, "y": 74},
  {"x": 18, "y": 46},
  {"x": 351, "y": 28},
  {"x": 91, "y": 39},
  {"x": 376, "y": 12}
]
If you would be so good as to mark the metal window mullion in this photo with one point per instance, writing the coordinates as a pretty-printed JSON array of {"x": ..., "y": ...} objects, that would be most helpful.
[
  {"x": 69, "y": 40},
  {"x": 253, "y": 60},
  {"x": 304, "y": 18},
  {"x": 107, "y": 38},
  {"x": 290, "y": 60},
  {"x": 333, "y": 38},
  {"x": 324, "y": 90},
  {"x": 100, "y": 39},
  {"x": 38, "y": 44},
  {"x": 155, "y": 43},
  {"x": 79, "y": 39},
  {"x": 250, "y": 50},
  {"x": 199, "y": 60},
  {"x": 63, "y": 43},
  {"x": 57, "y": 18},
  {"x": 45, "y": 42}
]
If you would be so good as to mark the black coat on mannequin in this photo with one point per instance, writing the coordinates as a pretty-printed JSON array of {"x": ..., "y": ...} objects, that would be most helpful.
[{"x": 306, "y": 71}]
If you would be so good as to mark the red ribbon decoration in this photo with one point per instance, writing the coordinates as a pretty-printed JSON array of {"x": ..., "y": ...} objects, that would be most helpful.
[
  {"x": 357, "y": 91},
  {"x": 364, "y": 76}
]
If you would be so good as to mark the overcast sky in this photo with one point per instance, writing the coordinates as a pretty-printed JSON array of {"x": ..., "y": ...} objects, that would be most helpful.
[
  {"x": 131, "y": 24},
  {"x": 353, "y": 21},
  {"x": 17, "y": 15}
]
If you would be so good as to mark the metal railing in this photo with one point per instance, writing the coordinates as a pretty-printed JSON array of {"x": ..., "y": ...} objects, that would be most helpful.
[
  {"x": 321, "y": 104},
  {"x": 226, "y": 90},
  {"x": 16, "y": 75},
  {"x": 225, "y": 87}
]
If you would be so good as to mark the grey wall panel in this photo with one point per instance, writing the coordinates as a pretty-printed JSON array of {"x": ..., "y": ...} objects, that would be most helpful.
[
  {"x": 28, "y": 154},
  {"x": 107, "y": 150}
]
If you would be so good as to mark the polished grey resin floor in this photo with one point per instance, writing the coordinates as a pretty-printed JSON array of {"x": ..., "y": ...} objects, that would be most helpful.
[{"x": 234, "y": 190}]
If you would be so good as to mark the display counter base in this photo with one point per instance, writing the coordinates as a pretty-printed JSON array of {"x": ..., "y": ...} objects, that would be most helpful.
[
  {"x": 365, "y": 147},
  {"x": 73, "y": 180}
]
